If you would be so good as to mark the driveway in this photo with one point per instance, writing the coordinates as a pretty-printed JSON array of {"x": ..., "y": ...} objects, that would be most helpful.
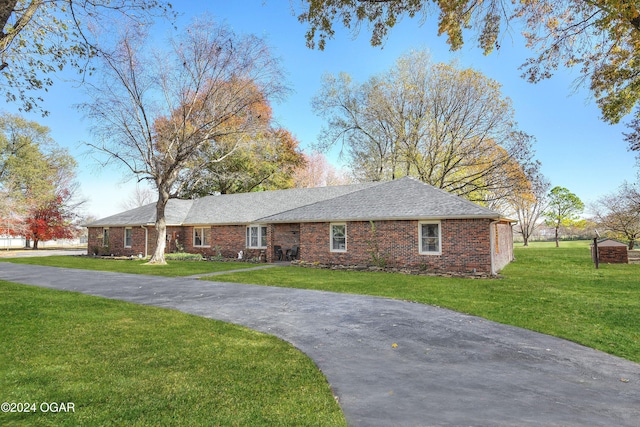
[{"x": 448, "y": 369}]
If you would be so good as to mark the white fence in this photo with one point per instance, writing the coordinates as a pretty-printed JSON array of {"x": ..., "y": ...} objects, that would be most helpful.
[{"x": 20, "y": 242}]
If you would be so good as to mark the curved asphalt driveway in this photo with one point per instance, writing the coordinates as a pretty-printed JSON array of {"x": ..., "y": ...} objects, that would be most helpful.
[{"x": 447, "y": 368}]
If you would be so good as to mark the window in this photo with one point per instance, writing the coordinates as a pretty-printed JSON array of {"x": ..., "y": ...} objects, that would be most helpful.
[
  {"x": 430, "y": 238},
  {"x": 105, "y": 237},
  {"x": 257, "y": 236},
  {"x": 128, "y": 233},
  {"x": 200, "y": 237},
  {"x": 338, "y": 237}
]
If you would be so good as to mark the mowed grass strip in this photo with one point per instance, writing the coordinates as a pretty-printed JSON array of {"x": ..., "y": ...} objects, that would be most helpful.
[
  {"x": 124, "y": 364},
  {"x": 135, "y": 266},
  {"x": 556, "y": 291}
]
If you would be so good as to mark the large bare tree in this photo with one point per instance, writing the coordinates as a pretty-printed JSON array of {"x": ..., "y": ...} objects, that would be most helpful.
[
  {"x": 529, "y": 205},
  {"x": 157, "y": 112},
  {"x": 448, "y": 127},
  {"x": 619, "y": 213},
  {"x": 599, "y": 37}
]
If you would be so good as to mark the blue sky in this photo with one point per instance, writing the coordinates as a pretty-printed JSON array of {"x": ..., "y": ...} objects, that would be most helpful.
[{"x": 577, "y": 150}]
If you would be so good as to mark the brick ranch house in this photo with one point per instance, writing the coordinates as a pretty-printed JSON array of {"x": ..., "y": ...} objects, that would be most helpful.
[{"x": 404, "y": 222}]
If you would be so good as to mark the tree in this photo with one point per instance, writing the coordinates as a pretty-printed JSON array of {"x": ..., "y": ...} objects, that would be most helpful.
[
  {"x": 51, "y": 220},
  {"x": 601, "y": 37},
  {"x": 39, "y": 38},
  {"x": 530, "y": 204},
  {"x": 26, "y": 150},
  {"x": 266, "y": 161},
  {"x": 141, "y": 196},
  {"x": 318, "y": 172},
  {"x": 36, "y": 176},
  {"x": 618, "y": 214},
  {"x": 156, "y": 113},
  {"x": 564, "y": 208},
  {"x": 450, "y": 128}
]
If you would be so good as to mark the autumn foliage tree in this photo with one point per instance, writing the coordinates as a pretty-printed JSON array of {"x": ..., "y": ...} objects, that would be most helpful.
[
  {"x": 158, "y": 113},
  {"x": 51, "y": 220},
  {"x": 448, "y": 127},
  {"x": 37, "y": 182},
  {"x": 318, "y": 172},
  {"x": 240, "y": 162},
  {"x": 529, "y": 204},
  {"x": 600, "y": 37}
]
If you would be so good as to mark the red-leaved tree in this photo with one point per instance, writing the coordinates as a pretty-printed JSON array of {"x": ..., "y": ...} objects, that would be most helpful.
[{"x": 51, "y": 220}]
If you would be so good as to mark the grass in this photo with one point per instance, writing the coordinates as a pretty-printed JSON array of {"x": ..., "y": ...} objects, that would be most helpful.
[
  {"x": 135, "y": 266},
  {"x": 556, "y": 291},
  {"x": 124, "y": 364}
]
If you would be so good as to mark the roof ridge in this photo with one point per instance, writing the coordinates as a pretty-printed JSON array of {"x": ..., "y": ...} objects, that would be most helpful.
[
  {"x": 279, "y": 190},
  {"x": 373, "y": 184}
]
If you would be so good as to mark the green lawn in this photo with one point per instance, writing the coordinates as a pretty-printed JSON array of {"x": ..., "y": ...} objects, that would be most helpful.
[
  {"x": 125, "y": 365},
  {"x": 135, "y": 266},
  {"x": 551, "y": 290},
  {"x": 121, "y": 364}
]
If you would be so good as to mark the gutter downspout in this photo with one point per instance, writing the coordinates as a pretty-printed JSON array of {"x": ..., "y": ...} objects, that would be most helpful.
[
  {"x": 492, "y": 243},
  {"x": 146, "y": 240}
]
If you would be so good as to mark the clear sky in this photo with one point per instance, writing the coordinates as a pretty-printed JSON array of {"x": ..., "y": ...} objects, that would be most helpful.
[{"x": 577, "y": 150}]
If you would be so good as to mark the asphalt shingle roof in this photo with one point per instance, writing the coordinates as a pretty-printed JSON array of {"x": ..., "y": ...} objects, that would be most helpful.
[
  {"x": 250, "y": 207},
  {"x": 404, "y": 198},
  {"x": 175, "y": 213}
]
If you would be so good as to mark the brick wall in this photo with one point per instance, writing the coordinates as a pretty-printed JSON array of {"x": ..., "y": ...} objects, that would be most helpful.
[
  {"x": 613, "y": 254},
  {"x": 225, "y": 240},
  {"x": 284, "y": 235},
  {"x": 465, "y": 245},
  {"x": 503, "y": 244},
  {"x": 116, "y": 244}
]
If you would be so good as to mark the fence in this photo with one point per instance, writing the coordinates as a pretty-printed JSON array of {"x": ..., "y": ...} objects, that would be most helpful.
[{"x": 7, "y": 243}]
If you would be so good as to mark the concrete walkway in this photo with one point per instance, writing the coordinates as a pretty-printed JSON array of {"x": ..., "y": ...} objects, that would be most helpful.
[{"x": 394, "y": 363}]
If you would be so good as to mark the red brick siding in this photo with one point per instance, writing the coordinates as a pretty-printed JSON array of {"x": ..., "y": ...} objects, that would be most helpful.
[
  {"x": 503, "y": 244},
  {"x": 115, "y": 245},
  {"x": 284, "y": 235},
  {"x": 613, "y": 254},
  {"x": 116, "y": 240},
  {"x": 465, "y": 245}
]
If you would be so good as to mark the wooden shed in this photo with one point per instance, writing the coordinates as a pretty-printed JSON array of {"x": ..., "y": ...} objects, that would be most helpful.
[{"x": 611, "y": 251}]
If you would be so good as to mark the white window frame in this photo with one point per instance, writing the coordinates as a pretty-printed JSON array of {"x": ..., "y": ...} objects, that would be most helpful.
[
  {"x": 331, "y": 236},
  {"x": 261, "y": 236},
  {"x": 105, "y": 236},
  {"x": 130, "y": 230},
  {"x": 204, "y": 237},
  {"x": 423, "y": 252}
]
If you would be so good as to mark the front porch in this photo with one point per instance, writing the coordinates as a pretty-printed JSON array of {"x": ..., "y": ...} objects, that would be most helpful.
[{"x": 283, "y": 242}]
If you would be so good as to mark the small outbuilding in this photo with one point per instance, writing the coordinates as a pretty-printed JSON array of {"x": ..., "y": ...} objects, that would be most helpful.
[{"x": 611, "y": 252}]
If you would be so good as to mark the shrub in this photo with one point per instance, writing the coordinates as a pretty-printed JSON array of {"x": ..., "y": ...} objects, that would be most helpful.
[{"x": 183, "y": 256}]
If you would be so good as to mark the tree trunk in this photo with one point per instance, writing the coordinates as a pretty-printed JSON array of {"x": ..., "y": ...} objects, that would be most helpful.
[
  {"x": 35, "y": 244},
  {"x": 557, "y": 241},
  {"x": 161, "y": 230},
  {"x": 6, "y": 9},
  {"x": 526, "y": 240},
  {"x": 631, "y": 244}
]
